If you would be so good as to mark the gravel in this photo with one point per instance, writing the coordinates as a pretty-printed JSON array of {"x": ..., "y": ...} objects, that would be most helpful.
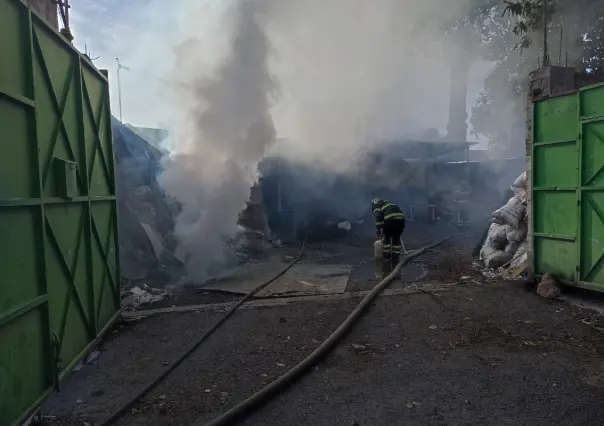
[{"x": 475, "y": 354}]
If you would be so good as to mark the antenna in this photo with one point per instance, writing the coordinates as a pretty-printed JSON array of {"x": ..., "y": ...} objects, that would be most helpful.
[
  {"x": 89, "y": 54},
  {"x": 561, "y": 38},
  {"x": 119, "y": 87}
]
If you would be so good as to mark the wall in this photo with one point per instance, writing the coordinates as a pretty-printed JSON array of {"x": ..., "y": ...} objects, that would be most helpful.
[
  {"x": 529, "y": 178},
  {"x": 59, "y": 287},
  {"x": 546, "y": 83}
]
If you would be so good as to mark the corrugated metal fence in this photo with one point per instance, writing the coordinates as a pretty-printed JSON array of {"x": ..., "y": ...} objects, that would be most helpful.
[{"x": 568, "y": 187}]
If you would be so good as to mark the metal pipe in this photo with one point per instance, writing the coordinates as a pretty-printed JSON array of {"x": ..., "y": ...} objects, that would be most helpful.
[
  {"x": 119, "y": 88},
  {"x": 67, "y": 6},
  {"x": 545, "y": 53}
]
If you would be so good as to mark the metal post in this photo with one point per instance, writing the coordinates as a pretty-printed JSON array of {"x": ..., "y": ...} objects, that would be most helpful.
[
  {"x": 391, "y": 263},
  {"x": 119, "y": 88},
  {"x": 467, "y": 168},
  {"x": 67, "y": 7},
  {"x": 279, "y": 205},
  {"x": 545, "y": 53},
  {"x": 560, "y": 47}
]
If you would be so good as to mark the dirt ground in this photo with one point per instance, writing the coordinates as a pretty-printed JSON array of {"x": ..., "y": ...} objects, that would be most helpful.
[{"x": 476, "y": 352}]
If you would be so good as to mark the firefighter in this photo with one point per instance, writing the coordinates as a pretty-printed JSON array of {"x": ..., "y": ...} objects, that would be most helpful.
[{"x": 390, "y": 224}]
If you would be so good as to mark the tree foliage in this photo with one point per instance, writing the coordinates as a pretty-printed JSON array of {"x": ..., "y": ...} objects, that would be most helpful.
[
  {"x": 514, "y": 36},
  {"x": 575, "y": 27}
]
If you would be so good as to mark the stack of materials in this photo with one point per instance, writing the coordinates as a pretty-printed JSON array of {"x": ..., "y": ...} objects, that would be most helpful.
[
  {"x": 506, "y": 244},
  {"x": 144, "y": 218}
]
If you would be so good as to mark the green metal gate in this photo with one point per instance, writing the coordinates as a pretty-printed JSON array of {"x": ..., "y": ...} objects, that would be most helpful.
[
  {"x": 59, "y": 287},
  {"x": 568, "y": 187}
]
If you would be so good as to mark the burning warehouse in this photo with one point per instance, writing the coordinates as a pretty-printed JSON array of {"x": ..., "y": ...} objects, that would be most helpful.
[{"x": 420, "y": 176}]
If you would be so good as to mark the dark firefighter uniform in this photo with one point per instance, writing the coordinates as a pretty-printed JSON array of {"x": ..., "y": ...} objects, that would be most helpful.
[{"x": 390, "y": 224}]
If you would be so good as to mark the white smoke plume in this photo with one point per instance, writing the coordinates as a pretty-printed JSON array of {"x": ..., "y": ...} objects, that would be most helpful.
[
  {"x": 354, "y": 73},
  {"x": 227, "y": 131},
  {"x": 351, "y": 74}
]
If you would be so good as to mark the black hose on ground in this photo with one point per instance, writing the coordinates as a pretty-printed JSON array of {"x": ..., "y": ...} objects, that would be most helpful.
[
  {"x": 119, "y": 413},
  {"x": 241, "y": 410}
]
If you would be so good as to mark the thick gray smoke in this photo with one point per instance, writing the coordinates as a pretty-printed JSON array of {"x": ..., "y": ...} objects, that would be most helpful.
[
  {"x": 227, "y": 130},
  {"x": 355, "y": 73},
  {"x": 351, "y": 73}
]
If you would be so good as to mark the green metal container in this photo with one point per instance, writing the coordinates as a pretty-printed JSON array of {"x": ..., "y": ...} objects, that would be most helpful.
[
  {"x": 568, "y": 187},
  {"x": 59, "y": 286}
]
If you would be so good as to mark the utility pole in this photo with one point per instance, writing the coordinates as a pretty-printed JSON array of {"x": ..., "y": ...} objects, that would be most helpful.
[
  {"x": 119, "y": 85},
  {"x": 546, "y": 61},
  {"x": 64, "y": 12}
]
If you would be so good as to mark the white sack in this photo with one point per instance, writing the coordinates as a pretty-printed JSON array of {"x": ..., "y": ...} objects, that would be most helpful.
[
  {"x": 496, "y": 240},
  {"x": 497, "y": 236},
  {"x": 520, "y": 181},
  {"x": 498, "y": 259},
  {"x": 521, "y": 256},
  {"x": 486, "y": 251},
  {"x": 497, "y": 221},
  {"x": 519, "y": 192},
  {"x": 511, "y": 248},
  {"x": 516, "y": 235},
  {"x": 512, "y": 213}
]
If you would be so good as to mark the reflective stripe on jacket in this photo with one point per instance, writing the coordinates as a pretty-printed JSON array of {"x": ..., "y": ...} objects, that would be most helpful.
[{"x": 387, "y": 212}]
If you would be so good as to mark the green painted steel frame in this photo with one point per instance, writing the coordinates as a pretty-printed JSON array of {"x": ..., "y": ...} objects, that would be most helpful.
[
  {"x": 584, "y": 210},
  {"x": 72, "y": 307}
]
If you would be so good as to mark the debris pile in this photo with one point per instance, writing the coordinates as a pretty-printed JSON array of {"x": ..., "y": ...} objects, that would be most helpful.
[
  {"x": 145, "y": 215},
  {"x": 505, "y": 247},
  {"x": 548, "y": 287},
  {"x": 136, "y": 297}
]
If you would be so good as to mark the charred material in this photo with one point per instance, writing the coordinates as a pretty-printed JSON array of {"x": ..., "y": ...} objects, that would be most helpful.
[
  {"x": 432, "y": 182},
  {"x": 145, "y": 218}
]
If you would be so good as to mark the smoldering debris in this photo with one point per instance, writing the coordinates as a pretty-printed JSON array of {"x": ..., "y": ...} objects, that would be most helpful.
[
  {"x": 356, "y": 80},
  {"x": 145, "y": 220},
  {"x": 137, "y": 297}
]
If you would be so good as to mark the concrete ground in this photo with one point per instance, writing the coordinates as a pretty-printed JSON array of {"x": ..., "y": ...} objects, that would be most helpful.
[{"x": 471, "y": 352}]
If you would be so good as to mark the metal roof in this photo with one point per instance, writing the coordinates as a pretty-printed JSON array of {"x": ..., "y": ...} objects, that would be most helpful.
[{"x": 416, "y": 149}]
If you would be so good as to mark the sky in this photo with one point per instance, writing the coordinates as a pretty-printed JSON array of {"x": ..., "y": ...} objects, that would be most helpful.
[{"x": 143, "y": 35}]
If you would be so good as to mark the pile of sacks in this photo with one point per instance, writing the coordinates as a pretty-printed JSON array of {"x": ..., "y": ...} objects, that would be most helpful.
[{"x": 506, "y": 243}]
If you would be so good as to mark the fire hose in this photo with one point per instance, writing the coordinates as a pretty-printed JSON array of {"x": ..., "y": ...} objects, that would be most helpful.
[
  {"x": 120, "y": 412},
  {"x": 264, "y": 395}
]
